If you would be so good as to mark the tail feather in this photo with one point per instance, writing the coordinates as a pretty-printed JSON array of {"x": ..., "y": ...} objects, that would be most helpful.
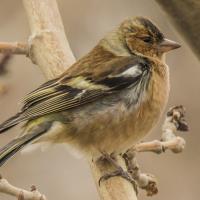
[
  {"x": 17, "y": 144},
  {"x": 11, "y": 122}
]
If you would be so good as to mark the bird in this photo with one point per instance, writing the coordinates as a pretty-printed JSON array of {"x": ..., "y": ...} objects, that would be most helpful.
[{"x": 107, "y": 101}]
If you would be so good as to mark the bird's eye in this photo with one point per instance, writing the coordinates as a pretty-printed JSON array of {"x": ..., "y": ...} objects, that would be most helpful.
[{"x": 146, "y": 39}]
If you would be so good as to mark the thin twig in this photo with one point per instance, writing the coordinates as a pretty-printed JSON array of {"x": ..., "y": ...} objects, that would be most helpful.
[
  {"x": 14, "y": 48},
  {"x": 7, "y": 188},
  {"x": 176, "y": 145}
]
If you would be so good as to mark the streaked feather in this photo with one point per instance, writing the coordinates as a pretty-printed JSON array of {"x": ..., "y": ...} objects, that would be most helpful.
[{"x": 67, "y": 93}]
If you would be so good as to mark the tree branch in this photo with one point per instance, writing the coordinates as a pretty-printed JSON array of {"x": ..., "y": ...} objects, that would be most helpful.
[
  {"x": 115, "y": 188},
  {"x": 176, "y": 144},
  {"x": 13, "y": 48},
  {"x": 48, "y": 45},
  {"x": 185, "y": 16},
  {"x": 7, "y": 188}
]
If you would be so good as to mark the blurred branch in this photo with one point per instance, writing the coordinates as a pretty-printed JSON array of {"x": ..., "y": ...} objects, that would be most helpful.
[
  {"x": 13, "y": 48},
  {"x": 7, "y": 188},
  {"x": 4, "y": 59},
  {"x": 185, "y": 16}
]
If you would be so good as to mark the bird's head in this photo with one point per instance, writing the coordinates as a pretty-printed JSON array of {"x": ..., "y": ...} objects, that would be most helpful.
[{"x": 143, "y": 37}]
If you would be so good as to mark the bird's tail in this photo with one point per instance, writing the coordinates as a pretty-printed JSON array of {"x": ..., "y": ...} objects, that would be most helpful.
[
  {"x": 17, "y": 144},
  {"x": 16, "y": 119}
]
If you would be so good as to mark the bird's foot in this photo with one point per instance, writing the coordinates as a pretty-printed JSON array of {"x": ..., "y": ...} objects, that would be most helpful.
[{"x": 118, "y": 172}]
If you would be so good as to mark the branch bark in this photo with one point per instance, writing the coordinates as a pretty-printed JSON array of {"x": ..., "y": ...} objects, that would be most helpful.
[
  {"x": 115, "y": 188},
  {"x": 7, "y": 188},
  {"x": 185, "y": 16},
  {"x": 14, "y": 48},
  {"x": 48, "y": 45},
  {"x": 175, "y": 144}
]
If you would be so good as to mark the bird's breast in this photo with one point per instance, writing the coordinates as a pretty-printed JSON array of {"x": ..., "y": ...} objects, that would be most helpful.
[
  {"x": 143, "y": 119},
  {"x": 140, "y": 119}
]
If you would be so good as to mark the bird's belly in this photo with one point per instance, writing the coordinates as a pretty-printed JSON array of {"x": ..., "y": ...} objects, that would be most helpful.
[{"x": 116, "y": 130}]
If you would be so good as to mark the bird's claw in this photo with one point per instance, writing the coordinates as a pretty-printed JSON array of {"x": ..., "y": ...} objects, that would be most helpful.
[{"x": 118, "y": 172}]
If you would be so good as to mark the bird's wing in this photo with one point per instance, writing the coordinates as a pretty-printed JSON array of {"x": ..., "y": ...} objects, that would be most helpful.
[{"x": 70, "y": 92}]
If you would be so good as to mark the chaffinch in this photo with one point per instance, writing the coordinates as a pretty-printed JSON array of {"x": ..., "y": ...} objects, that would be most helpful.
[{"x": 105, "y": 102}]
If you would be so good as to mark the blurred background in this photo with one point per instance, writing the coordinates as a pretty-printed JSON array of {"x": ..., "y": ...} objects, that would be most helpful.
[{"x": 56, "y": 172}]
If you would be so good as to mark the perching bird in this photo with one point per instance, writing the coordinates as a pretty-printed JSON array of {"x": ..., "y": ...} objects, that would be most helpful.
[{"x": 106, "y": 102}]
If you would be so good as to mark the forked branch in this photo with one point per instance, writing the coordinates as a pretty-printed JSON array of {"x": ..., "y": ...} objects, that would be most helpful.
[{"x": 21, "y": 194}]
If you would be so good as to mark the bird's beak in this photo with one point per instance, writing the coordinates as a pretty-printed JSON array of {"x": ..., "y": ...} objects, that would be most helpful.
[{"x": 168, "y": 45}]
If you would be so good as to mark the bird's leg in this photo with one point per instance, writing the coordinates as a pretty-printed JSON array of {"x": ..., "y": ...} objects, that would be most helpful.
[{"x": 118, "y": 172}]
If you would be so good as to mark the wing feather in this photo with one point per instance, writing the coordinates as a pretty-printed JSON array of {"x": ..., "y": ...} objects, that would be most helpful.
[
  {"x": 56, "y": 95},
  {"x": 60, "y": 103}
]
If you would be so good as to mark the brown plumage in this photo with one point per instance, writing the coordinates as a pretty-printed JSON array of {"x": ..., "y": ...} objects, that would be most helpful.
[{"x": 107, "y": 101}]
